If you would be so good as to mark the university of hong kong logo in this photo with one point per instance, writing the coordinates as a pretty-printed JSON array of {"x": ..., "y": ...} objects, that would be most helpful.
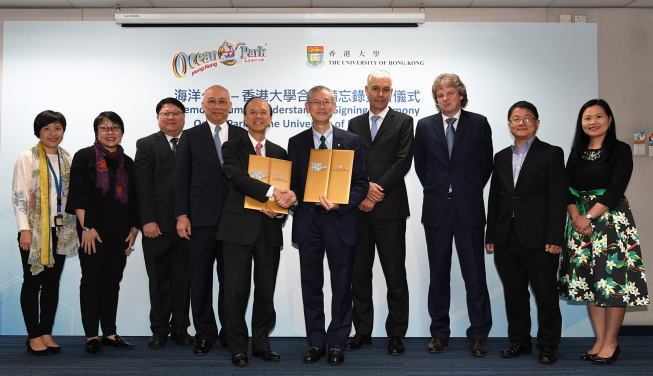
[
  {"x": 318, "y": 166},
  {"x": 315, "y": 57},
  {"x": 229, "y": 54}
]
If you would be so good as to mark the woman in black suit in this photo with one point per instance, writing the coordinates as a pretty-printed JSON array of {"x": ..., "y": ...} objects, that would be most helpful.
[{"x": 103, "y": 196}]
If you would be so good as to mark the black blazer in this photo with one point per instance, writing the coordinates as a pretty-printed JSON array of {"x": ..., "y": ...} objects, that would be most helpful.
[
  {"x": 102, "y": 212},
  {"x": 346, "y": 219},
  {"x": 539, "y": 199},
  {"x": 240, "y": 225},
  {"x": 388, "y": 160},
  {"x": 201, "y": 187}
]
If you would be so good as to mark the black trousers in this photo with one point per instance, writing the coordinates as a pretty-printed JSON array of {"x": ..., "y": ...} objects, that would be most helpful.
[
  {"x": 47, "y": 283},
  {"x": 517, "y": 267},
  {"x": 100, "y": 284},
  {"x": 389, "y": 237},
  {"x": 237, "y": 283},
  {"x": 166, "y": 262}
]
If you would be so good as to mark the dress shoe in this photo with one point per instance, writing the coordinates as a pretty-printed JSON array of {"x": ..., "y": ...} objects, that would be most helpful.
[
  {"x": 55, "y": 350},
  {"x": 356, "y": 342},
  {"x": 516, "y": 350},
  {"x": 478, "y": 348},
  {"x": 548, "y": 355},
  {"x": 314, "y": 354},
  {"x": 605, "y": 361},
  {"x": 267, "y": 355},
  {"x": 43, "y": 352},
  {"x": 94, "y": 347},
  {"x": 202, "y": 347},
  {"x": 588, "y": 356},
  {"x": 117, "y": 342},
  {"x": 336, "y": 357},
  {"x": 182, "y": 338},
  {"x": 396, "y": 346},
  {"x": 437, "y": 345},
  {"x": 239, "y": 359},
  {"x": 157, "y": 340}
]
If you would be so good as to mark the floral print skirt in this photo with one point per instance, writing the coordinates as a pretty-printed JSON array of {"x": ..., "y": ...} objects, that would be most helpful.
[{"x": 606, "y": 268}]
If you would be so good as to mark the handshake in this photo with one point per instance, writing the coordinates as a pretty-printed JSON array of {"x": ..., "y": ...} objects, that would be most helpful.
[{"x": 284, "y": 198}]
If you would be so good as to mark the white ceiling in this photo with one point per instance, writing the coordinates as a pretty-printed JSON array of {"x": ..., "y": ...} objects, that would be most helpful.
[{"x": 327, "y": 3}]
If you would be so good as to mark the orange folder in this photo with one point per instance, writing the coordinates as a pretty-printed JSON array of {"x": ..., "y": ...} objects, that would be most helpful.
[
  {"x": 271, "y": 171},
  {"x": 329, "y": 174}
]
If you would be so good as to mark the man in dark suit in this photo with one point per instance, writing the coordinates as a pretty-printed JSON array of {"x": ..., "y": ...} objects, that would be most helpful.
[
  {"x": 201, "y": 190},
  {"x": 387, "y": 138},
  {"x": 525, "y": 226},
  {"x": 333, "y": 227},
  {"x": 453, "y": 160},
  {"x": 247, "y": 234},
  {"x": 166, "y": 254}
]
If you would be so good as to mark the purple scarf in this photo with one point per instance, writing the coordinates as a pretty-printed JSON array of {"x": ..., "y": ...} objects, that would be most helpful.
[{"x": 102, "y": 172}]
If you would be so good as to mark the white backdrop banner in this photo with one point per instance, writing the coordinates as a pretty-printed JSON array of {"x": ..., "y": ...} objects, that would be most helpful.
[{"x": 83, "y": 68}]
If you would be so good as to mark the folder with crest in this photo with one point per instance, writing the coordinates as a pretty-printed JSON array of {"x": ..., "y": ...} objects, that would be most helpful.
[
  {"x": 329, "y": 174},
  {"x": 271, "y": 171}
]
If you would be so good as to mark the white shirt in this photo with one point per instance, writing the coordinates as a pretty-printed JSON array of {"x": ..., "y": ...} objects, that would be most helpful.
[
  {"x": 254, "y": 143},
  {"x": 224, "y": 132},
  {"x": 382, "y": 115},
  {"x": 179, "y": 138},
  {"x": 455, "y": 123}
]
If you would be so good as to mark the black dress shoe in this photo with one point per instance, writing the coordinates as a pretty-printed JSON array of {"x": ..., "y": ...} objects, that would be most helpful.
[
  {"x": 55, "y": 350},
  {"x": 516, "y": 350},
  {"x": 94, "y": 347},
  {"x": 357, "y": 341},
  {"x": 314, "y": 354},
  {"x": 587, "y": 356},
  {"x": 336, "y": 357},
  {"x": 202, "y": 347},
  {"x": 43, "y": 352},
  {"x": 605, "y": 361},
  {"x": 157, "y": 340},
  {"x": 396, "y": 346},
  {"x": 267, "y": 355},
  {"x": 239, "y": 359},
  {"x": 437, "y": 345},
  {"x": 182, "y": 338},
  {"x": 548, "y": 355},
  {"x": 117, "y": 342},
  {"x": 478, "y": 348}
]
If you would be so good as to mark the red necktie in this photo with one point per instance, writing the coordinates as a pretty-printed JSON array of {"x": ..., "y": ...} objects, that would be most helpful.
[{"x": 258, "y": 149}]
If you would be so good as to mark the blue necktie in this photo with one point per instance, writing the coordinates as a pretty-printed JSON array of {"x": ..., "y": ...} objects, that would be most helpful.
[
  {"x": 375, "y": 128},
  {"x": 451, "y": 133},
  {"x": 218, "y": 144},
  {"x": 174, "y": 141}
]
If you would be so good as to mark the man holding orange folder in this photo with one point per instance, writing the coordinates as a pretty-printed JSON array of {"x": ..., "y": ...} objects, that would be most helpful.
[{"x": 248, "y": 235}]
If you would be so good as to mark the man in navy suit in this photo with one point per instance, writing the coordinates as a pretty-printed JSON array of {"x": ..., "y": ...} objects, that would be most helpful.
[
  {"x": 201, "y": 190},
  {"x": 453, "y": 160},
  {"x": 320, "y": 226}
]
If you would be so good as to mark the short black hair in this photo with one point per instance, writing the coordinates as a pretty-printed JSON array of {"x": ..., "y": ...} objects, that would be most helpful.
[
  {"x": 108, "y": 115},
  {"x": 526, "y": 106},
  {"x": 581, "y": 139},
  {"x": 251, "y": 99},
  {"x": 172, "y": 101},
  {"x": 46, "y": 118}
]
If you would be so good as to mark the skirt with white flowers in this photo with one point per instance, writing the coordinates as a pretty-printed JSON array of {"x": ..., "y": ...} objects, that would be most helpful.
[{"x": 606, "y": 268}]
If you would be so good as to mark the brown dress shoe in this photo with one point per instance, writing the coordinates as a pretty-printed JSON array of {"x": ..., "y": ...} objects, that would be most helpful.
[
  {"x": 437, "y": 345},
  {"x": 478, "y": 348}
]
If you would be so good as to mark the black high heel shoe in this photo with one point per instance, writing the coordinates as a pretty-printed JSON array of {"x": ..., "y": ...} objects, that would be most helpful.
[
  {"x": 605, "y": 361},
  {"x": 37, "y": 352},
  {"x": 588, "y": 356}
]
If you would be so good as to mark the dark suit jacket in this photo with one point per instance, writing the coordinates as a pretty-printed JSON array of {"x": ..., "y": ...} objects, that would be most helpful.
[
  {"x": 154, "y": 169},
  {"x": 201, "y": 187},
  {"x": 346, "y": 219},
  {"x": 539, "y": 199},
  {"x": 240, "y": 225},
  {"x": 388, "y": 160},
  {"x": 467, "y": 171}
]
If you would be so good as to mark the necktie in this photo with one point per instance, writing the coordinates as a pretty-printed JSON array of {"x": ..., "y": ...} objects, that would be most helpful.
[
  {"x": 174, "y": 141},
  {"x": 218, "y": 143},
  {"x": 323, "y": 144},
  {"x": 451, "y": 133},
  {"x": 258, "y": 149},
  {"x": 374, "y": 126}
]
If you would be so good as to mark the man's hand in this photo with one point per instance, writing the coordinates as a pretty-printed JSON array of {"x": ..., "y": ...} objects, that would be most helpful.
[
  {"x": 489, "y": 247},
  {"x": 327, "y": 205},
  {"x": 555, "y": 249},
  {"x": 183, "y": 227},
  {"x": 269, "y": 212},
  {"x": 367, "y": 205},
  {"x": 151, "y": 230},
  {"x": 375, "y": 193},
  {"x": 284, "y": 198}
]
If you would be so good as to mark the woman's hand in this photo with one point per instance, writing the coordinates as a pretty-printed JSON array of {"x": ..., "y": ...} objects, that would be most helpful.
[
  {"x": 582, "y": 225},
  {"x": 25, "y": 239},
  {"x": 88, "y": 240},
  {"x": 131, "y": 239}
]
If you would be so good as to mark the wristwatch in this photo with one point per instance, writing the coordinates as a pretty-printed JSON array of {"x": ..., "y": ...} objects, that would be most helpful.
[
  {"x": 589, "y": 216},
  {"x": 87, "y": 229}
]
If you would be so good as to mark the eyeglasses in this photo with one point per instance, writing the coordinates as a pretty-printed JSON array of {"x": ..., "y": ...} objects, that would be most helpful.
[
  {"x": 317, "y": 103},
  {"x": 105, "y": 129},
  {"x": 524, "y": 120},
  {"x": 213, "y": 102},
  {"x": 174, "y": 113}
]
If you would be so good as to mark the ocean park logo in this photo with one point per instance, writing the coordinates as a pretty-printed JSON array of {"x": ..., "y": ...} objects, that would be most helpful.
[
  {"x": 229, "y": 54},
  {"x": 315, "y": 57}
]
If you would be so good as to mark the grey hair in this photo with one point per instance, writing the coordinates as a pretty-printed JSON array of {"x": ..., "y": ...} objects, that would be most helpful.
[
  {"x": 320, "y": 88},
  {"x": 379, "y": 73}
]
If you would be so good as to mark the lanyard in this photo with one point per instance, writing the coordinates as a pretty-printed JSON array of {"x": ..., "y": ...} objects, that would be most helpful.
[{"x": 57, "y": 182}]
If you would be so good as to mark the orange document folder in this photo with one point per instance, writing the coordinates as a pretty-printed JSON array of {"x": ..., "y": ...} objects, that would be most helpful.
[
  {"x": 271, "y": 171},
  {"x": 329, "y": 174}
]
